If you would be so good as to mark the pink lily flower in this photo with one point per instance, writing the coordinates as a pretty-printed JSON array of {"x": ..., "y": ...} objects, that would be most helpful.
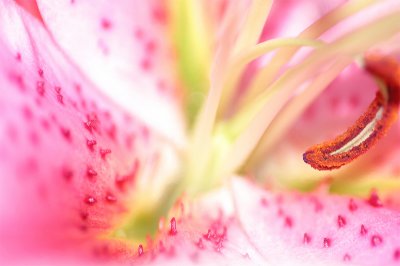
[{"x": 173, "y": 132}]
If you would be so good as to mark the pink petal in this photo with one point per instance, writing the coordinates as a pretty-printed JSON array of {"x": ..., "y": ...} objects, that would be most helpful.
[
  {"x": 124, "y": 49},
  {"x": 288, "y": 17},
  {"x": 279, "y": 229},
  {"x": 69, "y": 157}
]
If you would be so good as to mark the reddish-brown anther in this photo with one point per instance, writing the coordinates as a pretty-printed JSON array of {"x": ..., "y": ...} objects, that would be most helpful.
[{"x": 370, "y": 127}]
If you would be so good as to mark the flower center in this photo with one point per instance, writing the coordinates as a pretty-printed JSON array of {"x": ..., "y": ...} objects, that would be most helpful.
[{"x": 229, "y": 135}]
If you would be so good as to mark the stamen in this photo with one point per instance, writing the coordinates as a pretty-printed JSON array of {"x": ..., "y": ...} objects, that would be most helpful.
[
  {"x": 266, "y": 75},
  {"x": 370, "y": 127}
]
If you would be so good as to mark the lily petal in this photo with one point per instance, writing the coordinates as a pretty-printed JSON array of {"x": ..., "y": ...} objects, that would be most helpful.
[
  {"x": 70, "y": 158},
  {"x": 248, "y": 225},
  {"x": 124, "y": 49}
]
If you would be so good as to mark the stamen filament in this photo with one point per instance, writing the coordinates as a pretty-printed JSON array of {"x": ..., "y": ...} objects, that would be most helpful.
[
  {"x": 253, "y": 25},
  {"x": 294, "y": 109},
  {"x": 266, "y": 75},
  {"x": 234, "y": 70}
]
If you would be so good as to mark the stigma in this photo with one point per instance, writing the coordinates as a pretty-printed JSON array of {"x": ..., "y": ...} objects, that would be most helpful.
[{"x": 370, "y": 127}]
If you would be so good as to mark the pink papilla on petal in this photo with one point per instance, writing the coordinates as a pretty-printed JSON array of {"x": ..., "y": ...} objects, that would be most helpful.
[{"x": 69, "y": 157}]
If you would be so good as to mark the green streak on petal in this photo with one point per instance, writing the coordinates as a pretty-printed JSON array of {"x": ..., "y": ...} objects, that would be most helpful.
[{"x": 190, "y": 34}]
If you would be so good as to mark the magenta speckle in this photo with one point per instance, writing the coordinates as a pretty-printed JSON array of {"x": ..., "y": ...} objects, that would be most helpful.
[
  {"x": 89, "y": 200},
  {"x": 104, "y": 152},
  {"x": 140, "y": 250},
  {"x": 376, "y": 240},
  {"x": 91, "y": 143},
  {"x": 363, "y": 230},
  {"x": 67, "y": 174},
  {"x": 374, "y": 200},
  {"x": 396, "y": 254},
  {"x": 27, "y": 112},
  {"x": 145, "y": 64},
  {"x": 352, "y": 205},
  {"x": 150, "y": 47},
  {"x": 66, "y": 133},
  {"x": 200, "y": 244},
  {"x": 346, "y": 257},
  {"x": 110, "y": 198},
  {"x": 306, "y": 238},
  {"x": 264, "y": 202},
  {"x": 91, "y": 173},
  {"x": 159, "y": 15},
  {"x": 161, "y": 246},
  {"x": 341, "y": 221},
  {"x": 83, "y": 215},
  {"x": 60, "y": 98},
  {"x": 327, "y": 242},
  {"x": 40, "y": 88},
  {"x": 92, "y": 123},
  {"x": 173, "y": 231},
  {"x": 288, "y": 222},
  {"x": 106, "y": 24}
]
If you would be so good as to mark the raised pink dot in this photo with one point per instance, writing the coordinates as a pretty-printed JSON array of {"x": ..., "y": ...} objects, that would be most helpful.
[
  {"x": 363, "y": 230},
  {"x": 376, "y": 240},
  {"x": 45, "y": 124},
  {"x": 104, "y": 152},
  {"x": 396, "y": 254},
  {"x": 288, "y": 221},
  {"x": 327, "y": 242},
  {"x": 84, "y": 215},
  {"x": 150, "y": 47},
  {"x": 352, "y": 205},
  {"x": 60, "y": 99},
  {"x": 92, "y": 123},
  {"x": 105, "y": 24},
  {"x": 208, "y": 235},
  {"x": 89, "y": 200},
  {"x": 346, "y": 257},
  {"x": 91, "y": 173},
  {"x": 139, "y": 33},
  {"x": 306, "y": 238},
  {"x": 173, "y": 230},
  {"x": 110, "y": 198},
  {"x": 19, "y": 80},
  {"x": 40, "y": 72},
  {"x": 140, "y": 250},
  {"x": 264, "y": 202},
  {"x": 145, "y": 64},
  {"x": 200, "y": 244},
  {"x": 91, "y": 143},
  {"x": 341, "y": 221},
  {"x": 374, "y": 200},
  {"x": 159, "y": 15},
  {"x": 66, "y": 133},
  {"x": 67, "y": 174},
  {"x": 27, "y": 112},
  {"x": 40, "y": 88}
]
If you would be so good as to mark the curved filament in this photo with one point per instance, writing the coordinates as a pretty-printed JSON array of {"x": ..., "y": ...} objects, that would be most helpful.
[{"x": 370, "y": 127}]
